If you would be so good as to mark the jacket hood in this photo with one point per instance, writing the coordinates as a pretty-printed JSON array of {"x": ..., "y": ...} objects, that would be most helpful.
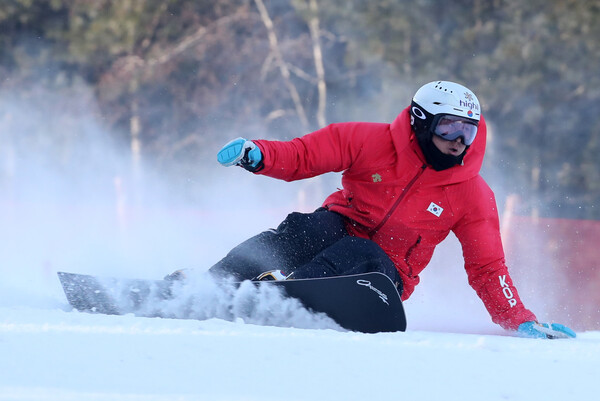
[{"x": 406, "y": 141}]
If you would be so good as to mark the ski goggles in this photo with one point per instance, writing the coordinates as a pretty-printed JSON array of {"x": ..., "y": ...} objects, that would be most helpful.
[{"x": 451, "y": 127}]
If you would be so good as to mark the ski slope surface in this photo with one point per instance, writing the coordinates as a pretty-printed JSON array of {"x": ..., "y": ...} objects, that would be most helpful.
[{"x": 50, "y": 352}]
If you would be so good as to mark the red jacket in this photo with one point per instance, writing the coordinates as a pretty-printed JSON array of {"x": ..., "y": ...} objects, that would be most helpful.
[{"x": 393, "y": 197}]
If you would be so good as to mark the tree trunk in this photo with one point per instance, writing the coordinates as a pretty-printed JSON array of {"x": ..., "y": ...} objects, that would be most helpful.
[
  {"x": 283, "y": 68},
  {"x": 315, "y": 34}
]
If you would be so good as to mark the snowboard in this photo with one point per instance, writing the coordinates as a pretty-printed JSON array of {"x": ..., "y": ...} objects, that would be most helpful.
[{"x": 367, "y": 303}]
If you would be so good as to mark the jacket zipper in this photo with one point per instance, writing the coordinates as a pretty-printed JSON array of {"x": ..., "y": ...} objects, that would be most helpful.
[
  {"x": 409, "y": 253},
  {"x": 395, "y": 205}
]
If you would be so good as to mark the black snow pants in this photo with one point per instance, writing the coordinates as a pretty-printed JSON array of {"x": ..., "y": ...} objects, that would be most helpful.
[{"x": 307, "y": 245}]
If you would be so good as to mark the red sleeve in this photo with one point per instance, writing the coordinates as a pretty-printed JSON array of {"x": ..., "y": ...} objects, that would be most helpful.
[
  {"x": 479, "y": 234},
  {"x": 331, "y": 149}
]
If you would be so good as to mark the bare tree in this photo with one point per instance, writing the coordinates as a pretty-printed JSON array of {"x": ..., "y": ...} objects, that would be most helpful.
[
  {"x": 278, "y": 57},
  {"x": 315, "y": 34}
]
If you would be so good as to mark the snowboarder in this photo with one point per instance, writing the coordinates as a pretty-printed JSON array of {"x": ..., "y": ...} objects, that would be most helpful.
[{"x": 405, "y": 186}]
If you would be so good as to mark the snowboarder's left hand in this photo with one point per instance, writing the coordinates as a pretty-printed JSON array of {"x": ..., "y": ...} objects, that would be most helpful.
[{"x": 545, "y": 330}]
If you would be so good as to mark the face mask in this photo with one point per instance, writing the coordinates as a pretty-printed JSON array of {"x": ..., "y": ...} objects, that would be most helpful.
[{"x": 438, "y": 160}]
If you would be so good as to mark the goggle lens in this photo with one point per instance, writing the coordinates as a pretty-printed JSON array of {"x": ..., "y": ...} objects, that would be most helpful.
[{"x": 452, "y": 127}]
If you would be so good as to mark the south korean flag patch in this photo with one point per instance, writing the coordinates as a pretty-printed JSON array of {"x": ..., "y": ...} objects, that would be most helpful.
[{"x": 435, "y": 209}]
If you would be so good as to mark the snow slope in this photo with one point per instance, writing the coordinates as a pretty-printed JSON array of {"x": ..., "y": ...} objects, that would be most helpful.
[{"x": 50, "y": 354}]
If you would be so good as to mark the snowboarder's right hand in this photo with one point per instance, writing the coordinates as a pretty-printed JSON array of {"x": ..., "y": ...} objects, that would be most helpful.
[
  {"x": 241, "y": 152},
  {"x": 545, "y": 330}
]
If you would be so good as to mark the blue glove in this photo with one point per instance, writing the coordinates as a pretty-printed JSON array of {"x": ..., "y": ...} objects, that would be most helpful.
[
  {"x": 545, "y": 330},
  {"x": 241, "y": 152}
]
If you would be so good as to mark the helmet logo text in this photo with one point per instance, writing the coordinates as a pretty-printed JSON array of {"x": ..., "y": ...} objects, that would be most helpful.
[
  {"x": 470, "y": 105},
  {"x": 469, "y": 102}
]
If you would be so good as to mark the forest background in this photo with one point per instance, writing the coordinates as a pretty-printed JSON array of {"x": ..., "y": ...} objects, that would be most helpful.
[{"x": 171, "y": 81}]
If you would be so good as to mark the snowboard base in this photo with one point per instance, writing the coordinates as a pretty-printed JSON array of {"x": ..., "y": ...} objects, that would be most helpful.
[{"x": 366, "y": 302}]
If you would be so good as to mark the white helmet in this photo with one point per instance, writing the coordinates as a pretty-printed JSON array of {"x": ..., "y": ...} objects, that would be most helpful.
[
  {"x": 443, "y": 97},
  {"x": 439, "y": 99}
]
